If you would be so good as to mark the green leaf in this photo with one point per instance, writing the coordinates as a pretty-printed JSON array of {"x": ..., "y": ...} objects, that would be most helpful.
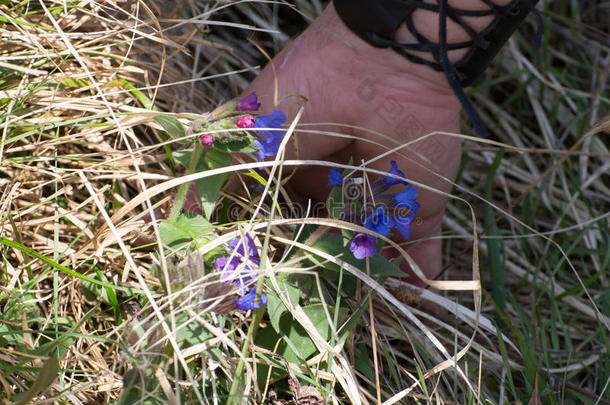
[
  {"x": 140, "y": 386},
  {"x": 256, "y": 177},
  {"x": 296, "y": 346},
  {"x": 208, "y": 190},
  {"x": 184, "y": 230},
  {"x": 363, "y": 363},
  {"x": 275, "y": 306},
  {"x": 215, "y": 159},
  {"x": 350, "y": 324},
  {"x": 18, "y": 305},
  {"x": 208, "y": 187},
  {"x": 94, "y": 291},
  {"x": 334, "y": 203},
  {"x": 57, "y": 266},
  {"x": 605, "y": 299},
  {"x": 171, "y": 125},
  {"x": 494, "y": 246},
  {"x": 71, "y": 83},
  {"x": 65, "y": 339},
  {"x": 333, "y": 245},
  {"x": 47, "y": 374},
  {"x": 10, "y": 335},
  {"x": 242, "y": 146},
  {"x": 141, "y": 96},
  {"x": 190, "y": 333},
  {"x": 107, "y": 295},
  {"x": 184, "y": 158}
]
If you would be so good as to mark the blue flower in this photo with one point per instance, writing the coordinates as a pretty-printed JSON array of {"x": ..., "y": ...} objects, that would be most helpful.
[
  {"x": 232, "y": 272},
  {"x": 379, "y": 222},
  {"x": 334, "y": 178},
  {"x": 405, "y": 209},
  {"x": 227, "y": 266},
  {"x": 363, "y": 245},
  {"x": 407, "y": 196},
  {"x": 248, "y": 301},
  {"x": 270, "y": 140},
  {"x": 390, "y": 181},
  {"x": 238, "y": 245},
  {"x": 248, "y": 103},
  {"x": 403, "y": 224},
  {"x": 394, "y": 210},
  {"x": 239, "y": 267}
]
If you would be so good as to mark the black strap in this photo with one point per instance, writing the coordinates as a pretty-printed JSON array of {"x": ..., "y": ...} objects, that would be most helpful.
[{"x": 376, "y": 21}]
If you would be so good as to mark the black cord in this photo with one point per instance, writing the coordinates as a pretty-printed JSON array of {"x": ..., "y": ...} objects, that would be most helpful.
[
  {"x": 477, "y": 123},
  {"x": 376, "y": 21}
]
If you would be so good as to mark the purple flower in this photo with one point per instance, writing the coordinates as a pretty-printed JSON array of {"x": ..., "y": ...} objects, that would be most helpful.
[
  {"x": 227, "y": 266},
  {"x": 239, "y": 267},
  {"x": 334, "y": 178},
  {"x": 363, "y": 245},
  {"x": 247, "y": 302},
  {"x": 390, "y": 181},
  {"x": 248, "y": 103},
  {"x": 271, "y": 139},
  {"x": 379, "y": 222},
  {"x": 232, "y": 272},
  {"x": 238, "y": 245}
]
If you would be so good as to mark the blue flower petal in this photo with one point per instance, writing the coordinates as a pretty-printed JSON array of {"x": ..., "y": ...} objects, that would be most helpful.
[
  {"x": 223, "y": 264},
  {"x": 268, "y": 147},
  {"x": 363, "y": 245},
  {"x": 237, "y": 244},
  {"x": 232, "y": 272},
  {"x": 379, "y": 222},
  {"x": 405, "y": 208},
  {"x": 334, "y": 178},
  {"x": 275, "y": 120},
  {"x": 407, "y": 195},
  {"x": 390, "y": 181},
  {"x": 271, "y": 139},
  {"x": 242, "y": 283},
  {"x": 403, "y": 224},
  {"x": 247, "y": 302},
  {"x": 260, "y": 156}
]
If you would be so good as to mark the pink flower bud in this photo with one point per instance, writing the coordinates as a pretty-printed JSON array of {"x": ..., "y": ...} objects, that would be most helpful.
[
  {"x": 246, "y": 121},
  {"x": 207, "y": 140}
]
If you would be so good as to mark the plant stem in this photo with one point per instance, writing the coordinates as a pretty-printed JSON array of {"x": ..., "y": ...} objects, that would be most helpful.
[
  {"x": 237, "y": 378},
  {"x": 184, "y": 188},
  {"x": 259, "y": 287}
]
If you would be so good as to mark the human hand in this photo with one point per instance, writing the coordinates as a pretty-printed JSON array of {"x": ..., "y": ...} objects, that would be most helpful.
[{"x": 347, "y": 81}]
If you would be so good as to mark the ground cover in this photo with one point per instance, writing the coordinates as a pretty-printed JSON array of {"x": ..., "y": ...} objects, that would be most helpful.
[{"x": 108, "y": 295}]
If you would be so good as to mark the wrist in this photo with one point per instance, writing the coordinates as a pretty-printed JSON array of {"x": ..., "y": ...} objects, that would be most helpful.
[
  {"x": 460, "y": 38},
  {"x": 372, "y": 61}
]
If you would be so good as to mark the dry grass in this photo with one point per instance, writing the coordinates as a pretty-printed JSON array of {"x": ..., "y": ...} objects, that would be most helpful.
[{"x": 83, "y": 161}]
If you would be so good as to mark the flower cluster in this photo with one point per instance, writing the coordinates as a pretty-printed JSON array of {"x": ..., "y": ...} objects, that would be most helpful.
[
  {"x": 392, "y": 210},
  {"x": 240, "y": 268},
  {"x": 268, "y": 140}
]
